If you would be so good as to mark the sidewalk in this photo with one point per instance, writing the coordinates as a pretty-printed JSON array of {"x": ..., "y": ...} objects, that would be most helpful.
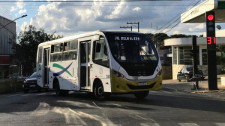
[{"x": 188, "y": 86}]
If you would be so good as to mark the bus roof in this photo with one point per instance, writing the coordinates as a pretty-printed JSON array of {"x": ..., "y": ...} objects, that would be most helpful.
[{"x": 82, "y": 35}]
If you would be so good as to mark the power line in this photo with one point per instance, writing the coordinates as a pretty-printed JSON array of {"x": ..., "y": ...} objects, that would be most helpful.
[
  {"x": 86, "y": 1},
  {"x": 177, "y": 20},
  {"x": 184, "y": 18},
  {"x": 173, "y": 20}
]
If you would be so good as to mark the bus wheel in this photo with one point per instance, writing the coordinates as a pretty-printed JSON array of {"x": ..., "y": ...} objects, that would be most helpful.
[
  {"x": 141, "y": 95},
  {"x": 57, "y": 89},
  {"x": 25, "y": 90},
  {"x": 99, "y": 91}
]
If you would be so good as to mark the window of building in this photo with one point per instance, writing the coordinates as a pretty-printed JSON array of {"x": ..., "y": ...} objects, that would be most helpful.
[
  {"x": 185, "y": 55},
  {"x": 204, "y": 57},
  {"x": 175, "y": 55}
]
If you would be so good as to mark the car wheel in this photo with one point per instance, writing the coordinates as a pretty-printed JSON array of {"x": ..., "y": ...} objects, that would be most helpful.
[
  {"x": 65, "y": 92},
  {"x": 187, "y": 79},
  {"x": 46, "y": 89},
  {"x": 179, "y": 80},
  {"x": 57, "y": 89},
  {"x": 141, "y": 95}
]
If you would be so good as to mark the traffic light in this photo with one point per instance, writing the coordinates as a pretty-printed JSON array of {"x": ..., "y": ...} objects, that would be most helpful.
[
  {"x": 210, "y": 28},
  {"x": 211, "y": 50}
]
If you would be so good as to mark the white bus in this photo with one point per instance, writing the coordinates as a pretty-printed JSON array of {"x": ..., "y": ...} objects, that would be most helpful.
[{"x": 100, "y": 62}]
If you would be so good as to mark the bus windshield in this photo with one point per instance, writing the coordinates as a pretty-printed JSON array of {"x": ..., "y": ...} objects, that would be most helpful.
[{"x": 131, "y": 48}]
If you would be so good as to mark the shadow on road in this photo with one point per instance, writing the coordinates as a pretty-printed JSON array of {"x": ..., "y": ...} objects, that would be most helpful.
[{"x": 84, "y": 101}]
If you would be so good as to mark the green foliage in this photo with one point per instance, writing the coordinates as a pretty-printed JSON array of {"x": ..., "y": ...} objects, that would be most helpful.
[
  {"x": 180, "y": 36},
  {"x": 158, "y": 38},
  {"x": 26, "y": 49}
]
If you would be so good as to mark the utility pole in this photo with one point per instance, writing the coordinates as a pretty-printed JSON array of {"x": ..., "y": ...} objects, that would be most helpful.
[
  {"x": 126, "y": 27},
  {"x": 134, "y": 23},
  {"x": 13, "y": 21}
]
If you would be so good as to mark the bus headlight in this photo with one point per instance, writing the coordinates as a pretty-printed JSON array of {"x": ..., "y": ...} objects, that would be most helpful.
[
  {"x": 159, "y": 73},
  {"x": 118, "y": 74}
]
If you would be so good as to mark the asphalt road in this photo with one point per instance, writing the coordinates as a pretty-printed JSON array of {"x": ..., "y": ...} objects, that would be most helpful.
[{"x": 161, "y": 108}]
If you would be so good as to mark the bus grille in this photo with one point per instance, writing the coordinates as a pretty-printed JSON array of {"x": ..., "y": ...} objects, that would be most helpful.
[
  {"x": 139, "y": 69},
  {"x": 141, "y": 87}
]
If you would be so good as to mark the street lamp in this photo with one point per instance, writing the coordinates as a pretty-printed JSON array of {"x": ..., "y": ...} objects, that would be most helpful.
[{"x": 13, "y": 21}]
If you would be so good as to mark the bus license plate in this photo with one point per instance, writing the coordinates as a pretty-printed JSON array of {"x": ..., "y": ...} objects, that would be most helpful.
[
  {"x": 142, "y": 83},
  {"x": 32, "y": 85}
]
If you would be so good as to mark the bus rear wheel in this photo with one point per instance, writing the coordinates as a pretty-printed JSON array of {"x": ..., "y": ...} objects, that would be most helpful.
[
  {"x": 58, "y": 91},
  {"x": 141, "y": 95}
]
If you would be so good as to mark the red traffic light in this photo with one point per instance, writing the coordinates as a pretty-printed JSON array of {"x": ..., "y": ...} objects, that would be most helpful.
[{"x": 210, "y": 17}]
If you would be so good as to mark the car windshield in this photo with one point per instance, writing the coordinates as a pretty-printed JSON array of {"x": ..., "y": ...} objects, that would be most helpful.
[
  {"x": 34, "y": 75},
  {"x": 131, "y": 48},
  {"x": 189, "y": 69}
]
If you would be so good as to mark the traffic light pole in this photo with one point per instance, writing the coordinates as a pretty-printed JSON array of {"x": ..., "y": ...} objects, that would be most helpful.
[
  {"x": 195, "y": 60},
  {"x": 211, "y": 50}
]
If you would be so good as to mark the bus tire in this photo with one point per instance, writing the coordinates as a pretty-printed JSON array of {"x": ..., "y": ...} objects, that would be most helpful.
[
  {"x": 25, "y": 90},
  {"x": 141, "y": 95},
  {"x": 65, "y": 92},
  {"x": 57, "y": 88},
  {"x": 99, "y": 91}
]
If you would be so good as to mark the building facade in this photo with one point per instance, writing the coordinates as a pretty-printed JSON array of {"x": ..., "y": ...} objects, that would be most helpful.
[
  {"x": 181, "y": 53},
  {"x": 7, "y": 42}
]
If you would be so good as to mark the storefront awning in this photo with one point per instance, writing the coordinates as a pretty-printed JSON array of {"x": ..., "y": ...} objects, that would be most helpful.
[{"x": 197, "y": 14}]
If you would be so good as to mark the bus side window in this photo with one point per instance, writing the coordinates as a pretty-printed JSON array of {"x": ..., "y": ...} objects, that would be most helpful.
[
  {"x": 66, "y": 46},
  {"x": 100, "y": 54},
  {"x": 73, "y": 49}
]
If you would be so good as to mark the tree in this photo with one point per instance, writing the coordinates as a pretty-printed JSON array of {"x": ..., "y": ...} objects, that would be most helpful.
[
  {"x": 159, "y": 38},
  {"x": 26, "y": 49},
  {"x": 180, "y": 36}
]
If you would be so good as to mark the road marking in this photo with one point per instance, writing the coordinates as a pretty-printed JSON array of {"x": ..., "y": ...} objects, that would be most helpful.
[
  {"x": 220, "y": 124},
  {"x": 42, "y": 94},
  {"x": 149, "y": 124},
  {"x": 96, "y": 105},
  {"x": 188, "y": 124},
  {"x": 26, "y": 95},
  {"x": 75, "y": 103},
  {"x": 167, "y": 92},
  {"x": 13, "y": 95},
  {"x": 141, "y": 117},
  {"x": 42, "y": 109},
  {"x": 72, "y": 116},
  {"x": 116, "y": 105}
]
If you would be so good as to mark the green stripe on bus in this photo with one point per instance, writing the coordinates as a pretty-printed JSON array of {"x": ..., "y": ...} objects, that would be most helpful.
[{"x": 62, "y": 68}]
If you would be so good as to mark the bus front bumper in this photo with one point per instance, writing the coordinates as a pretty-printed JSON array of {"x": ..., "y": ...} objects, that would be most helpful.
[{"x": 121, "y": 85}]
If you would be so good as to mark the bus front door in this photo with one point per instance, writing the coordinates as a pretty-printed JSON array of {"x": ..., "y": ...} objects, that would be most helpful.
[
  {"x": 84, "y": 69},
  {"x": 46, "y": 67}
]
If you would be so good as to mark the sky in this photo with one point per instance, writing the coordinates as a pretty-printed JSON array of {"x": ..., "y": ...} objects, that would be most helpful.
[{"x": 69, "y": 18}]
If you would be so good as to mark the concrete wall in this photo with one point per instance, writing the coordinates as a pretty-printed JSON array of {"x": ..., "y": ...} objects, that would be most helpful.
[
  {"x": 7, "y": 36},
  {"x": 10, "y": 85},
  {"x": 166, "y": 72}
]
